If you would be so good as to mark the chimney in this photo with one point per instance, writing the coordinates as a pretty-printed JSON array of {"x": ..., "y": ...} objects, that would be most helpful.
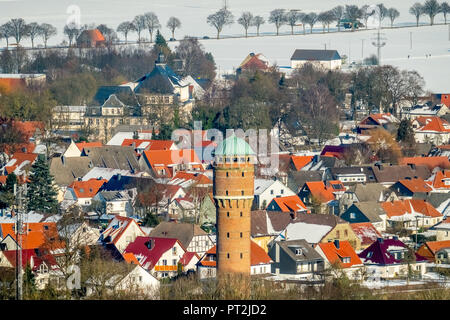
[{"x": 336, "y": 244}]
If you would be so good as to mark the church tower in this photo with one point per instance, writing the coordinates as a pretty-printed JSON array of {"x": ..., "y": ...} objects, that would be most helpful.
[{"x": 233, "y": 196}]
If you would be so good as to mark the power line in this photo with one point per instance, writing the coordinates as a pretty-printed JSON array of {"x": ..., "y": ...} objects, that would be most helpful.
[{"x": 379, "y": 42}]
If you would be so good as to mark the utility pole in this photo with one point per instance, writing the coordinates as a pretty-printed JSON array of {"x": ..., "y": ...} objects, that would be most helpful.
[
  {"x": 410, "y": 41},
  {"x": 362, "y": 49}
]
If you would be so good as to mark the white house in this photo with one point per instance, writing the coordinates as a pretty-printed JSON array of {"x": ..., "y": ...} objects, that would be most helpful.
[
  {"x": 431, "y": 130},
  {"x": 265, "y": 190},
  {"x": 121, "y": 231},
  {"x": 118, "y": 202},
  {"x": 141, "y": 281},
  {"x": 326, "y": 59}
]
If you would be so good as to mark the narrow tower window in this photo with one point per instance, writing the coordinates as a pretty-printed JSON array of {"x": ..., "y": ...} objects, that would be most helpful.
[{"x": 242, "y": 173}]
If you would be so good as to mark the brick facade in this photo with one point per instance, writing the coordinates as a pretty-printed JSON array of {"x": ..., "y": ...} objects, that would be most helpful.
[{"x": 233, "y": 195}]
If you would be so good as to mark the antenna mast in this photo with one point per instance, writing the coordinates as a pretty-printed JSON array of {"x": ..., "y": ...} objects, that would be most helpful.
[{"x": 19, "y": 236}]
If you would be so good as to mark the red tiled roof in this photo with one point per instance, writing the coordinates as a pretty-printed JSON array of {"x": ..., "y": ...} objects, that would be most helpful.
[
  {"x": 430, "y": 162},
  {"x": 82, "y": 145},
  {"x": 416, "y": 185},
  {"x": 37, "y": 235},
  {"x": 435, "y": 124},
  {"x": 435, "y": 246},
  {"x": 152, "y": 144},
  {"x": 130, "y": 258},
  {"x": 379, "y": 118},
  {"x": 366, "y": 232},
  {"x": 87, "y": 189},
  {"x": 320, "y": 191},
  {"x": 257, "y": 256},
  {"x": 335, "y": 255},
  {"x": 164, "y": 159},
  {"x": 440, "y": 178},
  {"x": 401, "y": 207},
  {"x": 290, "y": 204},
  {"x": 20, "y": 157},
  {"x": 148, "y": 258},
  {"x": 300, "y": 161},
  {"x": 187, "y": 257},
  {"x": 197, "y": 177}
]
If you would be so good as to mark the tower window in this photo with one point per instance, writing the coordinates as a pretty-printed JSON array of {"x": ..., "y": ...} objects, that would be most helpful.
[
  {"x": 242, "y": 173},
  {"x": 242, "y": 255},
  {"x": 228, "y": 235},
  {"x": 228, "y": 255},
  {"x": 227, "y": 174},
  {"x": 226, "y": 192},
  {"x": 242, "y": 192},
  {"x": 228, "y": 214},
  {"x": 241, "y": 213},
  {"x": 241, "y": 234}
]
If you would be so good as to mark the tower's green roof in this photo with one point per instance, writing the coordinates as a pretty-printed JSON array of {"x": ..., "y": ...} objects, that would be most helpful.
[{"x": 233, "y": 146}]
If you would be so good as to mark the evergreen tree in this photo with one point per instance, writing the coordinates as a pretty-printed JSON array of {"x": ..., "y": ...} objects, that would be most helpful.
[
  {"x": 7, "y": 191},
  {"x": 41, "y": 194},
  {"x": 405, "y": 132}
]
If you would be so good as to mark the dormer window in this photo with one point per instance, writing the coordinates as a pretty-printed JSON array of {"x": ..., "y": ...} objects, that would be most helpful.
[
  {"x": 298, "y": 251},
  {"x": 345, "y": 259}
]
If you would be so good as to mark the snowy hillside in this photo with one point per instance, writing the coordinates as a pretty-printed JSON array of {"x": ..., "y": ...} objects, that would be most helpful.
[{"x": 230, "y": 52}]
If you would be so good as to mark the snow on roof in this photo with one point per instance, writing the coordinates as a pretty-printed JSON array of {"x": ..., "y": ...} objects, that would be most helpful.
[
  {"x": 312, "y": 233},
  {"x": 108, "y": 173},
  {"x": 261, "y": 185}
]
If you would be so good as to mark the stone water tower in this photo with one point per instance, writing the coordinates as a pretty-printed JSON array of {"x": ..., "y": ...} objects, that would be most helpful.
[{"x": 233, "y": 195}]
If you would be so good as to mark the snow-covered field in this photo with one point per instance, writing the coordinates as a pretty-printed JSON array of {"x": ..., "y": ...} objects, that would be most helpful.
[
  {"x": 230, "y": 52},
  {"x": 433, "y": 40}
]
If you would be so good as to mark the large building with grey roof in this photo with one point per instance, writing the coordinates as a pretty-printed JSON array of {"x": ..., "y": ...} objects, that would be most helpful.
[{"x": 327, "y": 59}]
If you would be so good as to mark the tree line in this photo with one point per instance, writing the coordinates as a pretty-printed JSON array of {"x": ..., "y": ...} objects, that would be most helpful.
[
  {"x": 18, "y": 29},
  {"x": 351, "y": 14}
]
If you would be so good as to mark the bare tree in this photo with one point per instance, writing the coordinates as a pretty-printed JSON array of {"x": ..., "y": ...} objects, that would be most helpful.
[
  {"x": 19, "y": 29},
  {"x": 291, "y": 18},
  {"x": 326, "y": 18},
  {"x": 445, "y": 9},
  {"x": 33, "y": 30},
  {"x": 140, "y": 25},
  {"x": 366, "y": 13},
  {"x": 173, "y": 23},
  {"x": 393, "y": 14},
  {"x": 431, "y": 8},
  {"x": 338, "y": 13},
  {"x": 312, "y": 20},
  {"x": 416, "y": 10},
  {"x": 72, "y": 32},
  {"x": 125, "y": 28},
  {"x": 246, "y": 21},
  {"x": 304, "y": 18},
  {"x": 47, "y": 31},
  {"x": 5, "y": 31},
  {"x": 278, "y": 18},
  {"x": 257, "y": 22},
  {"x": 382, "y": 11},
  {"x": 152, "y": 23},
  {"x": 220, "y": 19},
  {"x": 353, "y": 13},
  {"x": 109, "y": 34}
]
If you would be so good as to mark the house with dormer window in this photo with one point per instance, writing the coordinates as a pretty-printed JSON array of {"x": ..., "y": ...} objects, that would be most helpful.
[{"x": 388, "y": 258}]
